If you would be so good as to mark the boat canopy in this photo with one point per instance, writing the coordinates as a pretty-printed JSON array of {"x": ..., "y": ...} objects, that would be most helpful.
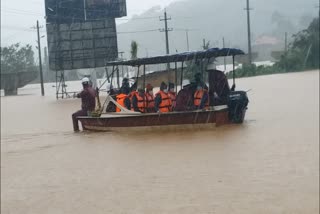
[{"x": 181, "y": 57}]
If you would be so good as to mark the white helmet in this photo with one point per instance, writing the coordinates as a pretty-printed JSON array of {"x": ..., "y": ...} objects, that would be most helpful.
[
  {"x": 85, "y": 80},
  {"x": 185, "y": 82}
]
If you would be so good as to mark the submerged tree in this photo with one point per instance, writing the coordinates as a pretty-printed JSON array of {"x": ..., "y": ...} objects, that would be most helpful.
[
  {"x": 134, "y": 50},
  {"x": 16, "y": 58}
]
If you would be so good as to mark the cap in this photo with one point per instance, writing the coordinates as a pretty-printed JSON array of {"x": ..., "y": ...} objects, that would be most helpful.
[
  {"x": 85, "y": 80},
  {"x": 185, "y": 82}
]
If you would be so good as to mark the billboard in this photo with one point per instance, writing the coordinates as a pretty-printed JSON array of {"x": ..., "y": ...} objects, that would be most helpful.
[
  {"x": 82, "y": 44},
  {"x": 68, "y": 11}
]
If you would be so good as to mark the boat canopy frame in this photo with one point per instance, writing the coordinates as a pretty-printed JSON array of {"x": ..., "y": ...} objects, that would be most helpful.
[{"x": 173, "y": 58}]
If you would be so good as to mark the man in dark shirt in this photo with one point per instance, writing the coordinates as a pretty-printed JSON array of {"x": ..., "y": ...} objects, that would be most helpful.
[
  {"x": 184, "y": 100},
  {"x": 219, "y": 88},
  {"x": 88, "y": 102}
]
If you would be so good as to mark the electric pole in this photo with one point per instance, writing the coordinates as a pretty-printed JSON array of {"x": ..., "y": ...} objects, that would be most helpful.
[
  {"x": 166, "y": 30},
  {"x": 249, "y": 33},
  {"x": 187, "y": 35},
  {"x": 224, "y": 58},
  {"x": 285, "y": 49},
  {"x": 40, "y": 60}
]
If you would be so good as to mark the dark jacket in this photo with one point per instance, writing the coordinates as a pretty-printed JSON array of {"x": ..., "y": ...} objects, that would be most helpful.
[
  {"x": 204, "y": 100},
  {"x": 184, "y": 100},
  {"x": 88, "y": 99},
  {"x": 157, "y": 101},
  {"x": 218, "y": 83}
]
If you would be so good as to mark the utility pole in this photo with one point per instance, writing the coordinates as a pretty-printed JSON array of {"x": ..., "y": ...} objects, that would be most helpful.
[
  {"x": 285, "y": 49},
  {"x": 224, "y": 58},
  {"x": 249, "y": 33},
  {"x": 166, "y": 30},
  {"x": 187, "y": 35},
  {"x": 40, "y": 60},
  {"x": 121, "y": 58}
]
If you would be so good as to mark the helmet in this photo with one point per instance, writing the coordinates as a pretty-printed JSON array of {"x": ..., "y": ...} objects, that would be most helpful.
[
  {"x": 185, "y": 82},
  {"x": 85, "y": 80}
]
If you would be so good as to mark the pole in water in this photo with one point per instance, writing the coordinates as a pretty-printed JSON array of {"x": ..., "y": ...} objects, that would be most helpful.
[{"x": 40, "y": 60}]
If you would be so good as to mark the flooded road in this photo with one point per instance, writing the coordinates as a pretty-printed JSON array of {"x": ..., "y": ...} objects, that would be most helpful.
[{"x": 270, "y": 164}]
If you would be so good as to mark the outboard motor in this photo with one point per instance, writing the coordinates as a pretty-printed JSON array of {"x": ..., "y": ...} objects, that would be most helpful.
[{"x": 237, "y": 104}]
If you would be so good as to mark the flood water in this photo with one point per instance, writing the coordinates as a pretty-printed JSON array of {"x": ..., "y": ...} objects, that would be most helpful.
[{"x": 269, "y": 164}]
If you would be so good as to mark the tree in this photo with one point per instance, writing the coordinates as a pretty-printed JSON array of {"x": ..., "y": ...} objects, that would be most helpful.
[
  {"x": 134, "y": 50},
  {"x": 16, "y": 58},
  {"x": 304, "y": 50}
]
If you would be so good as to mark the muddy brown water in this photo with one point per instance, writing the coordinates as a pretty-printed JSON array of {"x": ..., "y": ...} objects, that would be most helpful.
[{"x": 269, "y": 164}]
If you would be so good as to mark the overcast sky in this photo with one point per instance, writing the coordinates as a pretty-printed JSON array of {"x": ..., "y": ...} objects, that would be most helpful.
[{"x": 18, "y": 16}]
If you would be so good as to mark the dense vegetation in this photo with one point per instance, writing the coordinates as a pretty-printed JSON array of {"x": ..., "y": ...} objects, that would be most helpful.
[
  {"x": 17, "y": 58},
  {"x": 302, "y": 54}
]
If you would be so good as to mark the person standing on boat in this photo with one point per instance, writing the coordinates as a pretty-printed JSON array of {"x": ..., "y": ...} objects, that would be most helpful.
[
  {"x": 162, "y": 100},
  {"x": 197, "y": 81},
  {"x": 201, "y": 98},
  {"x": 123, "y": 100},
  {"x": 88, "y": 102},
  {"x": 172, "y": 95},
  {"x": 150, "y": 98},
  {"x": 125, "y": 85},
  {"x": 219, "y": 88},
  {"x": 139, "y": 101},
  {"x": 184, "y": 100}
]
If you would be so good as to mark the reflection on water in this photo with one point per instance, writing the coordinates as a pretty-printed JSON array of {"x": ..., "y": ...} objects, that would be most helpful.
[{"x": 270, "y": 164}]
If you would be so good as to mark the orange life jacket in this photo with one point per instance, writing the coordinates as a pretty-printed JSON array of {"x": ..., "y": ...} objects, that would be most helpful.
[
  {"x": 166, "y": 103},
  {"x": 150, "y": 102},
  {"x": 132, "y": 93},
  {"x": 198, "y": 97},
  {"x": 141, "y": 103},
  {"x": 173, "y": 97},
  {"x": 120, "y": 99}
]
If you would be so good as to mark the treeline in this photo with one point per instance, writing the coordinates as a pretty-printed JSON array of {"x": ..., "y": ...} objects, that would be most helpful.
[
  {"x": 17, "y": 58},
  {"x": 302, "y": 54}
]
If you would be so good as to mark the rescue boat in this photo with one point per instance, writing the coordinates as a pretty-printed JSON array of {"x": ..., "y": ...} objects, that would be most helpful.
[{"x": 233, "y": 110}]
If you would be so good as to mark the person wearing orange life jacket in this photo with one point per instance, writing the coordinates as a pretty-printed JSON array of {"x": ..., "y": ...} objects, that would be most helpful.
[
  {"x": 201, "y": 98},
  {"x": 162, "y": 100},
  {"x": 172, "y": 95},
  {"x": 132, "y": 92},
  {"x": 139, "y": 101},
  {"x": 149, "y": 98},
  {"x": 123, "y": 100}
]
